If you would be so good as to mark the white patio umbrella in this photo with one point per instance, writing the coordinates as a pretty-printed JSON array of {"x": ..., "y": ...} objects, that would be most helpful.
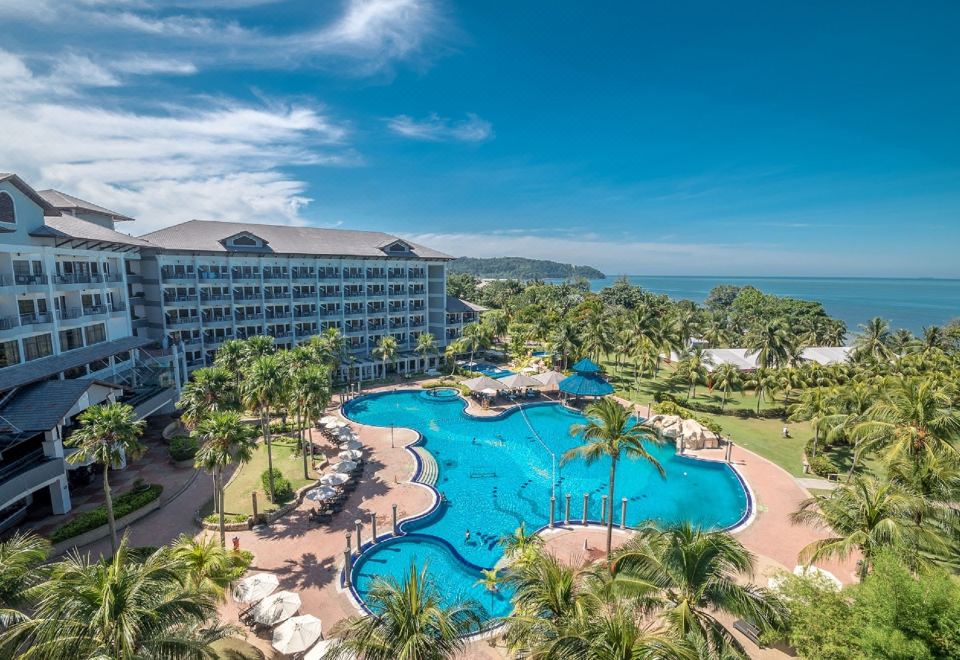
[
  {"x": 334, "y": 479},
  {"x": 296, "y": 634},
  {"x": 481, "y": 383},
  {"x": 549, "y": 378},
  {"x": 255, "y": 587},
  {"x": 351, "y": 444},
  {"x": 350, "y": 455},
  {"x": 489, "y": 391},
  {"x": 276, "y": 608},
  {"x": 345, "y": 431},
  {"x": 321, "y": 648},
  {"x": 514, "y": 381},
  {"x": 344, "y": 466},
  {"x": 321, "y": 494},
  {"x": 528, "y": 370}
]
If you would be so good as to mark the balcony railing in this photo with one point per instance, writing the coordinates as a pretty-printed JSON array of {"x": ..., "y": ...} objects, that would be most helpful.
[
  {"x": 243, "y": 318},
  {"x": 208, "y": 275},
  {"x": 304, "y": 296},
  {"x": 23, "y": 279},
  {"x": 276, "y": 276},
  {"x": 246, "y": 277},
  {"x": 93, "y": 310},
  {"x": 78, "y": 278},
  {"x": 220, "y": 297},
  {"x": 183, "y": 320},
  {"x": 170, "y": 276},
  {"x": 173, "y": 300}
]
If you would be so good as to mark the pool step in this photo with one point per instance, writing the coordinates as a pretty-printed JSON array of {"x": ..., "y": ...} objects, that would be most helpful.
[{"x": 429, "y": 469}]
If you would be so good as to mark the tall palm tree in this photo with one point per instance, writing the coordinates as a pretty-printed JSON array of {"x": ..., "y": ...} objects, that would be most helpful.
[
  {"x": 426, "y": 346},
  {"x": 107, "y": 432},
  {"x": 317, "y": 392},
  {"x": 497, "y": 320},
  {"x": 565, "y": 342},
  {"x": 209, "y": 567},
  {"x": 874, "y": 339},
  {"x": 727, "y": 378},
  {"x": 408, "y": 622},
  {"x": 772, "y": 343},
  {"x": 231, "y": 356},
  {"x": 386, "y": 349},
  {"x": 257, "y": 347},
  {"x": 685, "y": 575},
  {"x": 225, "y": 439},
  {"x": 207, "y": 390},
  {"x": 610, "y": 432},
  {"x": 597, "y": 329},
  {"x": 451, "y": 352},
  {"x": 309, "y": 395},
  {"x": 815, "y": 406},
  {"x": 520, "y": 545},
  {"x": 693, "y": 364},
  {"x": 866, "y": 515},
  {"x": 127, "y": 607},
  {"x": 21, "y": 557},
  {"x": 764, "y": 383},
  {"x": 262, "y": 388},
  {"x": 475, "y": 338}
]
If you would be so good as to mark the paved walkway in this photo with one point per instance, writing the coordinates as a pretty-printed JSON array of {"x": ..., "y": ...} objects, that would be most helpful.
[{"x": 816, "y": 484}]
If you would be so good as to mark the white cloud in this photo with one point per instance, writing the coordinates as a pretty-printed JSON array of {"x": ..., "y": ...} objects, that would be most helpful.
[
  {"x": 439, "y": 129},
  {"x": 73, "y": 70},
  {"x": 143, "y": 65},
  {"x": 224, "y": 161}
]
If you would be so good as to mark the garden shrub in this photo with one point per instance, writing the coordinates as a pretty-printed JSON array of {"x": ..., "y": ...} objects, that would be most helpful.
[
  {"x": 122, "y": 506},
  {"x": 183, "y": 447},
  {"x": 282, "y": 489},
  {"x": 228, "y": 518},
  {"x": 822, "y": 466}
]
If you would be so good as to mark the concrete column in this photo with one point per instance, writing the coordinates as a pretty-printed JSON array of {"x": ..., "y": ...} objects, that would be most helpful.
[
  {"x": 586, "y": 503},
  {"x": 394, "y": 514},
  {"x": 60, "y": 496},
  {"x": 373, "y": 528},
  {"x": 359, "y": 524},
  {"x": 347, "y": 563},
  {"x": 52, "y": 444},
  {"x": 253, "y": 501},
  {"x": 553, "y": 508},
  {"x": 348, "y": 542},
  {"x": 623, "y": 513},
  {"x": 603, "y": 509},
  {"x": 566, "y": 511}
]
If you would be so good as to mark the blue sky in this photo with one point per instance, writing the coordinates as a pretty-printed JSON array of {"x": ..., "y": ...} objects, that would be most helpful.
[{"x": 743, "y": 138}]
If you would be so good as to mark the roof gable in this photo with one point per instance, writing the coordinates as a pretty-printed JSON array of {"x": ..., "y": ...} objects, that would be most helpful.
[{"x": 245, "y": 240}]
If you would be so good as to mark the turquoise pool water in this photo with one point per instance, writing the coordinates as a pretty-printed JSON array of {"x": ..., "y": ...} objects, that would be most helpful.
[
  {"x": 491, "y": 370},
  {"x": 495, "y": 473}
]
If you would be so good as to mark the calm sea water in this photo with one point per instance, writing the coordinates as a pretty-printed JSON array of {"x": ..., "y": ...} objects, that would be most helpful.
[{"x": 906, "y": 303}]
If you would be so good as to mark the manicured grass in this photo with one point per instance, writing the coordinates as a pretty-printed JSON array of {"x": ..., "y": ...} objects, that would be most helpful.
[
  {"x": 247, "y": 480},
  {"x": 234, "y": 648}
]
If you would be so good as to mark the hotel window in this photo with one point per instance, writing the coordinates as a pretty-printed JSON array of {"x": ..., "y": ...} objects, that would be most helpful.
[
  {"x": 7, "y": 211},
  {"x": 71, "y": 339},
  {"x": 95, "y": 333},
  {"x": 9, "y": 353},
  {"x": 37, "y": 346}
]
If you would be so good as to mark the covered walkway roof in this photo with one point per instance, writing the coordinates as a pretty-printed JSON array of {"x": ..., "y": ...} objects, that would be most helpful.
[{"x": 44, "y": 368}]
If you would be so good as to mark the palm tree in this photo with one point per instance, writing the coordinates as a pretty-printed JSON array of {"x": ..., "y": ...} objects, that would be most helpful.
[
  {"x": 257, "y": 347},
  {"x": 209, "y": 567},
  {"x": 386, "y": 348},
  {"x": 309, "y": 395},
  {"x": 476, "y": 337},
  {"x": 451, "y": 352},
  {"x": 597, "y": 329},
  {"x": 686, "y": 575},
  {"x": 874, "y": 340},
  {"x": 609, "y": 432},
  {"x": 207, "y": 390},
  {"x": 225, "y": 439},
  {"x": 694, "y": 365},
  {"x": 107, "y": 433},
  {"x": 408, "y": 622},
  {"x": 262, "y": 387},
  {"x": 21, "y": 557},
  {"x": 426, "y": 346},
  {"x": 497, "y": 320},
  {"x": 565, "y": 342},
  {"x": 866, "y": 515},
  {"x": 727, "y": 378},
  {"x": 127, "y": 607},
  {"x": 772, "y": 343},
  {"x": 520, "y": 546},
  {"x": 764, "y": 383},
  {"x": 816, "y": 406},
  {"x": 231, "y": 356}
]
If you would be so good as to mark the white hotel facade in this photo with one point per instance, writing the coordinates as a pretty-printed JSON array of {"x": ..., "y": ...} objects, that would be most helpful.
[{"x": 89, "y": 314}]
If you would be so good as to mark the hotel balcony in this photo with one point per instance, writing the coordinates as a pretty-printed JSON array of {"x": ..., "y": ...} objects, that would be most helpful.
[
  {"x": 304, "y": 277},
  {"x": 216, "y": 298},
  {"x": 23, "y": 280},
  {"x": 183, "y": 320},
  {"x": 216, "y": 320},
  {"x": 246, "y": 277},
  {"x": 179, "y": 301},
  {"x": 255, "y": 297},
  {"x": 276, "y": 277},
  {"x": 173, "y": 277},
  {"x": 305, "y": 296},
  {"x": 243, "y": 318},
  {"x": 328, "y": 276},
  {"x": 277, "y": 295},
  {"x": 206, "y": 276}
]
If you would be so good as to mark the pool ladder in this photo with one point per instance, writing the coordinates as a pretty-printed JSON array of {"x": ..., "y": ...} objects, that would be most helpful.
[{"x": 428, "y": 469}]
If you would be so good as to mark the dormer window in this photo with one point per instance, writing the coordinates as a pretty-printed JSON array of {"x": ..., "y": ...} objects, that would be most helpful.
[
  {"x": 397, "y": 247},
  {"x": 8, "y": 213},
  {"x": 244, "y": 241}
]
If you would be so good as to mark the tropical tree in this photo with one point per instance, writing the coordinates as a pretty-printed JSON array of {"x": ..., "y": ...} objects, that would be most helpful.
[
  {"x": 693, "y": 365},
  {"x": 596, "y": 329},
  {"x": 225, "y": 439},
  {"x": 867, "y": 516},
  {"x": 727, "y": 378},
  {"x": 257, "y": 347},
  {"x": 310, "y": 395},
  {"x": 520, "y": 545},
  {"x": 21, "y": 556},
  {"x": 764, "y": 383},
  {"x": 874, "y": 340},
  {"x": 408, "y": 622},
  {"x": 426, "y": 346},
  {"x": 130, "y": 606},
  {"x": 231, "y": 357},
  {"x": 772, "y": 343},
  {"x": 209, "y": 566},
  {"x": 207, "y": 390},
  {"x": 451, "y": 352},
  {"x": 686, "y": 575},
  {"x": 816, "y": 406},
  {"x": 497, "y": 320},
  {"x": 107, "y": 433},
  {"x": 263, "y": 387},
  {"x": 386, "y": 349},
  {"x": 610, "y": 432},
  {"x": 565, "y": 342},
  {"x": 475, "y": 338}
]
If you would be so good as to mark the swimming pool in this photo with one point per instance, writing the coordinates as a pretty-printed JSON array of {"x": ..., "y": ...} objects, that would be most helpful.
[
  {"x": 496, "y": 472},
  {"x": 487, "y": 369}
]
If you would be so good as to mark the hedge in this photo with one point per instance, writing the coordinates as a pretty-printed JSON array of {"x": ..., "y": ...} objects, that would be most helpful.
[
  {"x": 123, "y": 505},
  {"x": 822, "y": 466},
  {"x": 183, "y": 447},
  {"x": 228, "y": 518},
  {"x": 282, "y": 489}
]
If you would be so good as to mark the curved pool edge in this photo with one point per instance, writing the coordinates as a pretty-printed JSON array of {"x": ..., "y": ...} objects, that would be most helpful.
[{"x": 749, "y": 514}]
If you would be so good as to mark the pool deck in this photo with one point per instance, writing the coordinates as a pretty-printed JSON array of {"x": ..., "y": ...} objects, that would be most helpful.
[{"x": 307, "y": 557}]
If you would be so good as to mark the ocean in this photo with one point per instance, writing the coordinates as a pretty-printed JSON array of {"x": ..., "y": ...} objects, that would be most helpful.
[{"x": 906, "y": 303}]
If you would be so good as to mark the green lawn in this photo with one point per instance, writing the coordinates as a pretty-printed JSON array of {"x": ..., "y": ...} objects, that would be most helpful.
[{"x": 247, "y": 479}]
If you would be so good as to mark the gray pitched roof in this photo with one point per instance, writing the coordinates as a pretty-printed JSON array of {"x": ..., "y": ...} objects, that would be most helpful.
[
  {"x": 63, "y": 201},
  {"x": 24, "y": 187},
  {"x": 69, "y": 227},
  {"x": 41, "y": 406},
  {"x": 458, "y": 305},
  {"x": 43, "y": 368},
  {"x": 207, "y": 236}
]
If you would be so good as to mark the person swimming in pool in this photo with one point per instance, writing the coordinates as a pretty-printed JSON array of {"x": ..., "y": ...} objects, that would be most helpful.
[{"x": 466, "y": 537}]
